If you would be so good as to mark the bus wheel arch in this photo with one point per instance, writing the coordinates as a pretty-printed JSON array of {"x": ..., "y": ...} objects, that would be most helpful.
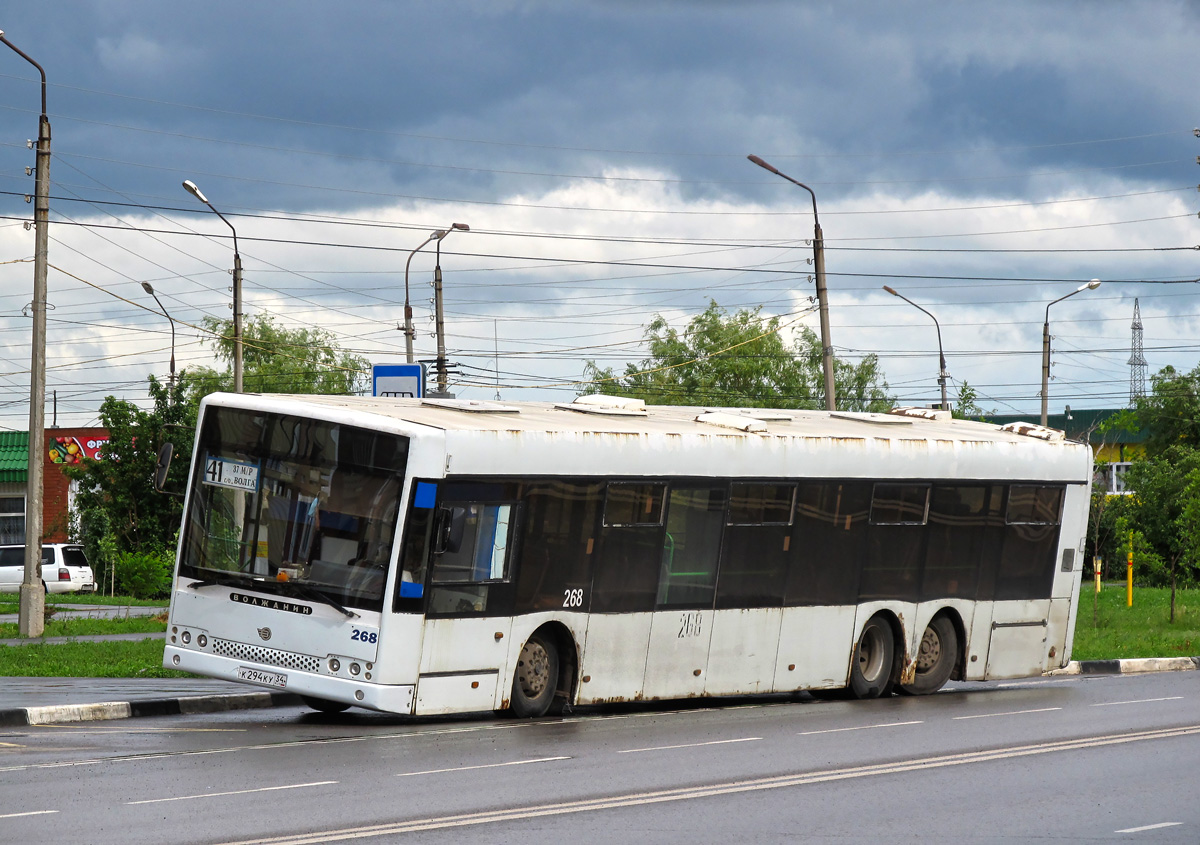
[
  {"x": 873, "y": 663},
  {"x": 544, "y": 677},
  {"x": 938, "y": 655}
]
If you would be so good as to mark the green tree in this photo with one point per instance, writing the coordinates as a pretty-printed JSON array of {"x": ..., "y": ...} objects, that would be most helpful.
[
  {"x": 1164, "y": 489},
  {"x": 967, "y": 407},
  {"x": 280, "y": 360},
  {"x": 117, "y": 510},
  {"x": 1169, "y": 414},
  {"x": 737, "y": 360}
]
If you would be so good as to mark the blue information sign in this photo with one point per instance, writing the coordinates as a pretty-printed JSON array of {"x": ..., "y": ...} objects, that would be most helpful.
[{"x": 394, "y": 380}]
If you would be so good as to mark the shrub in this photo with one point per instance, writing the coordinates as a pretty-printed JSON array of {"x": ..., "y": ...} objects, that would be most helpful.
[{"x": 144, "y": 575}]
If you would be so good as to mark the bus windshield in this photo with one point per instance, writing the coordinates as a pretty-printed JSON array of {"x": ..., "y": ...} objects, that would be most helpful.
[{"x": 293, "y": 506}]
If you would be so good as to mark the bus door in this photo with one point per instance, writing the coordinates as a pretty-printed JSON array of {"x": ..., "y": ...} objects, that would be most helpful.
[
  {"x": 677, "y": 661},
  {"x": 624, "y": 591},
  {"x": 468, "y": 614}
]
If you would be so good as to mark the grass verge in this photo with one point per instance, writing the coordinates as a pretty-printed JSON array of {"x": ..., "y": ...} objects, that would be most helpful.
[
  {"x": 91, "y": 627},
  {"x": 122, "y": 659},
  {"x": 10, "y": 604},
  {"x": 1115, "y": 631},
  {"x": 94, "y": 598}
]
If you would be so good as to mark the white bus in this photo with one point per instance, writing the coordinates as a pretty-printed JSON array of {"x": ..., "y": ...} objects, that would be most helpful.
[{"x": 446, "y": 556}]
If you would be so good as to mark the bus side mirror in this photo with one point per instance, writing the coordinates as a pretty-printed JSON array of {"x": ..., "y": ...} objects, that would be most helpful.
[
  {"x": 449, "y": 529},
  {"x": 165, "y": 453}
]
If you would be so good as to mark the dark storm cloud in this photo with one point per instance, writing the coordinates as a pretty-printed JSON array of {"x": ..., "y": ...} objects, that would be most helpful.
[{"x": 845, "y": 94}]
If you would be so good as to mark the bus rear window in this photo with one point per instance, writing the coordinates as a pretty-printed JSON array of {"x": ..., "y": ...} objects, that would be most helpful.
[{"x": 1029, "y": 505}]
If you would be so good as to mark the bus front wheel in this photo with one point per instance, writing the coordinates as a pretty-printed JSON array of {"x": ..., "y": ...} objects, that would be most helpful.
[
  {"x": 935, "y": 658},
  {"x": 871, "y": 666},
  {"x": 536, "y": 678}
]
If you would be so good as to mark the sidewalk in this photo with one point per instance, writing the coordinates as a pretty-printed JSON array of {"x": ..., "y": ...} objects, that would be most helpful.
[
  {"x": 40, "y": 701},
  {"x": 35, "y": 701}
]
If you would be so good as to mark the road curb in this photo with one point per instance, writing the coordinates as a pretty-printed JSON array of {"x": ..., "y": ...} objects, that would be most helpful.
[
  {"x": 1129, "y": 667},
  {"x": 186, "y": 705}
]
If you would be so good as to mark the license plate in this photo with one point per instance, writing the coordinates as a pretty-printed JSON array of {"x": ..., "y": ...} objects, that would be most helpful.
[{"x": 257, "y": 676}]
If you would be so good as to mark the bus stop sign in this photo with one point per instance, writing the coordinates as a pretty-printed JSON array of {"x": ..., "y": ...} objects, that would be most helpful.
[{"x": 398, "y": 380}]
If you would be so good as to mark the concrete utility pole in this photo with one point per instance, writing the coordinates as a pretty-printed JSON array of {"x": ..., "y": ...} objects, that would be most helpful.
[
  {"x": 31, "y": 619},
  {"x": 822, "y": 297},
  {"x": 440, "y": 319}
]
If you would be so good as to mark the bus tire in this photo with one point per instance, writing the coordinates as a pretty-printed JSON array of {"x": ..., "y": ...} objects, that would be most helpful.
[
  {"x": 871, "y": 665},
  {"x": 324, "y": 705},
  {"x": 536, "y": 678},
  {"x": 936, "y": 657}
]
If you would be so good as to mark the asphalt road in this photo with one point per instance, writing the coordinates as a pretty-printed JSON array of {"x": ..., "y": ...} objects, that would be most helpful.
[{"x": 1068, "y": 759}]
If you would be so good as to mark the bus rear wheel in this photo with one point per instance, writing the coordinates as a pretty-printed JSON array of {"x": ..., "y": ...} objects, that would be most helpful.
[
  {"x": 536, "y": 678},
  {"x": 935, "y": 658},
  {"x": 871, "y": 666}
]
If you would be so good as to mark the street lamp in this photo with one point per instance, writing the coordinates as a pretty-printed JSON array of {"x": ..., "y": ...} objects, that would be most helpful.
[
  {"x": 148, "y": 288},
  {"x": 943, "y": 373},
  {"x": 437, "y": 299},
  {"x": 237, "y": 288},
  {"x": 1092, "y": 285},
  {"x": 31, "y": 617},
  {"x": 409, "y": 331},
  {"x": 822, "y": 298}
]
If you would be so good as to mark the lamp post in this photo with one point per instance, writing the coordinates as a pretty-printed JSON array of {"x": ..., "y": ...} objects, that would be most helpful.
[
  {"x": 409, "y": 331},
  {"x": 1092, "y": 285},
  {"x": 237, "y": 287},
  {"x": 31, "y": 618},
  {"x": 148, "y": 288},
  {"x": 439, "y": 316},
  {"x": 822, "y": 298},
  {"x": 943, "y": 373}
]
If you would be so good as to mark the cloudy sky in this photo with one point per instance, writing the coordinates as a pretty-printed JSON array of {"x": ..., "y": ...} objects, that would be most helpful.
[{"x": 981, "y": 159}]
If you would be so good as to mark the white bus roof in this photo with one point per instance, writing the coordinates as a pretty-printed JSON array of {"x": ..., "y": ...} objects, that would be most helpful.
[{"x": 606, "y": 436}]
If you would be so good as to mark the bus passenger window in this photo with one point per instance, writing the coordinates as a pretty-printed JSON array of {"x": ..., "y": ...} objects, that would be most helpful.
[{"x": 634, "y": 504}]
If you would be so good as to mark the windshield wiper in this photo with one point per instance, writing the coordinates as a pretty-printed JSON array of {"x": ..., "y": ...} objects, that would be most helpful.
[
  {"x": 316, "y": 595},
  {"x": 222, "y": 579}
]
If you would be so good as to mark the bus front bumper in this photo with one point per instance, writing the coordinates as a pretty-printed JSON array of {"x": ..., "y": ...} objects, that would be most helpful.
[{"x": 384, "y": 698}]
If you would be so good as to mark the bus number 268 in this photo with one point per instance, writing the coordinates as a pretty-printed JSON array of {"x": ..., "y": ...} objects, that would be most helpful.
[
  {"x": 689, "y": 624},
  {"x": 572, "y": 598}
]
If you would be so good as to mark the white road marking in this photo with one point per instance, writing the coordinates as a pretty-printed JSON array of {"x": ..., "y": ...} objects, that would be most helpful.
[
  {"x": 31, "y": 813},
  {"x": 484, "y": 766},
  {"x": 1148, "y": 827},
  {"x": 235, "y": 792},
  {"x": 1139, "y": 701},
  {"x": 1009, "y": 713},
  {"x": 97, "y": 729},
  {"x": 690, "y": 745},
  {"x": 716, "y": 789},
  {"x": 299, "y": 743},
  {"x": 858, "y": 728}
]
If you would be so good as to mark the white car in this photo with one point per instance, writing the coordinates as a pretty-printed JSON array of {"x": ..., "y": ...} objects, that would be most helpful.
[{"x": 64, "y": 569}]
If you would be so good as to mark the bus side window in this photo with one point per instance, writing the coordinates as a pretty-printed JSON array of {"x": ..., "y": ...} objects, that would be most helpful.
[{"x": 471, "y": 552}]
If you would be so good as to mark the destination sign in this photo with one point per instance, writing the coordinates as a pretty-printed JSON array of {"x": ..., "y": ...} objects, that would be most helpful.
[{"x": 222, "y": 472}]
